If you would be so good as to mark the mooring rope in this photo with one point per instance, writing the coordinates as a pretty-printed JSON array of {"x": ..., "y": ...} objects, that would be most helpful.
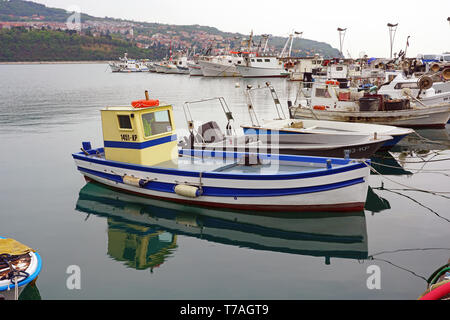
[
  {"x": 404, "y": 185},
  {"x": 441, "y": 142}
]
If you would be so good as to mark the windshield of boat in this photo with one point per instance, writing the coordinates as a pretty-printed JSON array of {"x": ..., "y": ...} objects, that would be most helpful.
[
  {"x": 322, "y": 93},
  {"x": 156, "y": 123}
]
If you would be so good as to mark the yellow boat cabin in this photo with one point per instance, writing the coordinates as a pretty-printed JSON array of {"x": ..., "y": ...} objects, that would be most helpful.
[{"x": 143, "y": 133}]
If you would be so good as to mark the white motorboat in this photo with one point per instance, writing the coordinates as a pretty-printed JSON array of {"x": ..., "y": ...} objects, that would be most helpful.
[{"x": 319, "y": 132}]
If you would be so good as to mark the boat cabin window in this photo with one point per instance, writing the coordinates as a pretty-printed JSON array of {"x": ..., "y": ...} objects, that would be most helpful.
[
  {"x": 322, "y": 93},
  {"x": 258, "y": 60},
  {"x": 339, "y": 68},
  {"x": 253, "y": 60},
  {"x": 156, "y": 123},
  {"x": 124, "y": 122},
  {"x": 410, "y": 85},
  {"x": 266, "y": 60},
  {"x": 239, "y": 62}
]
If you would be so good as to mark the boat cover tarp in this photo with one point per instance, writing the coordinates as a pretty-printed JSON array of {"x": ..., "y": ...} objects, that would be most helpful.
[{"x": 13, "y": 247}]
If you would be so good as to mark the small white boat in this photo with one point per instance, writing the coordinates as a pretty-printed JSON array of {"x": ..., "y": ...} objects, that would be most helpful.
[
  {"x": 279, "y": 136},
  {"x": 320, "y": 132},
  {"x": 19, "y": 266},
  {"x": 141, "y": 156}
]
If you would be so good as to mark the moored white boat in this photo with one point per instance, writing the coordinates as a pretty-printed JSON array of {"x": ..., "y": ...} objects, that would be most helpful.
[
  {"x": 262, "y": 67},
  {"x": 194, "y": 69},
  {"x": 220, "y": 66},
  {"x": 141, "y": 156},
  {"x": 319, "y": 132}
]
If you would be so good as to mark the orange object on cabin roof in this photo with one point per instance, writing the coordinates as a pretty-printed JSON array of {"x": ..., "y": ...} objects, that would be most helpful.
[{"x": 145, "y": 103}]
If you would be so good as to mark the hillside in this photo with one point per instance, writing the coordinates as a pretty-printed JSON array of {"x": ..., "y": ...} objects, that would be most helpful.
[
  {"x": 19, "y": 44},
  {"x": 145, "y": 34}
]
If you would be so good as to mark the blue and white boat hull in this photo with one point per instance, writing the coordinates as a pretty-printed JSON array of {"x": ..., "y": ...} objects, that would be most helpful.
[{"x": 342, "y": 186}]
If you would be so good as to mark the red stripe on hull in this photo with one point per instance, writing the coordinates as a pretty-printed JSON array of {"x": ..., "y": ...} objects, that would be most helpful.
[
  {"x": 339, "y": 207},
  {"x": 424, "y": 126}
]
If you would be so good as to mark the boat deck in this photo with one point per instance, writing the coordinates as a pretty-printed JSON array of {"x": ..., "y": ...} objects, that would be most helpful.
[{"x": 258, "y": 165}]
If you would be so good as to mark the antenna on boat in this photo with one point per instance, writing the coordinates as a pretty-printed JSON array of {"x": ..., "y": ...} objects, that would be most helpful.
[
  {"x": 392, "y": 32},
  {"x": 342, "y": 33},
  {"x": 251, "y": 110}
]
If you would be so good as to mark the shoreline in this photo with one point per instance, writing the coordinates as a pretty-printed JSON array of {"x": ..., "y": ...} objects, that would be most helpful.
[{"x": 51, "y": 62}]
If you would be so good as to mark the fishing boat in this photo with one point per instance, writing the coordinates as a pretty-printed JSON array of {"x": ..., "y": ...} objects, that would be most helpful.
[
  {"x": 330, "y": 102},
  {"x": 423, "y": 89},
  {"x": 281, "y": 136},
  {"x": 221, "y": 66},
  {"x": 262, "y": 67},
  {"x": 19, "y": 266},
  {"x": 140, "y": 155},
  {"x": 158, "y": 223},
  {"x": 194, "y": 68}
]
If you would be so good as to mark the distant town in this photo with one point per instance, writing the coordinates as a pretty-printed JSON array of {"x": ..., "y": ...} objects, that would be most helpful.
[{"x": 145, "y": 37}]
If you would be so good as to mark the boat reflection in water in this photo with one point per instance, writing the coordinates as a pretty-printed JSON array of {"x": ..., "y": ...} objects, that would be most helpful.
[
  {"x": 143, "y": 232},
  {"x": 375, "y": 203},
  {"x": 424, "y": 141}
]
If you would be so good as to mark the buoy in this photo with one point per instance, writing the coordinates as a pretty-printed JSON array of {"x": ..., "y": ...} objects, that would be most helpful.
[
  {"x": 145, "y": 103},
  {"x": 237, "y": 85},
  {"x": 187, "y": 191},
  {"x": 133, "y": 181},
  {"x": 319, "y": 107}
]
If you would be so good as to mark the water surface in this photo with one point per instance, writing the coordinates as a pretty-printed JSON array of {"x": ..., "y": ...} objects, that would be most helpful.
[{"x": 132, "y": 249}]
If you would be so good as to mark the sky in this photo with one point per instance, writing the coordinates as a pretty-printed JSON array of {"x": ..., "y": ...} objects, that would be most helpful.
[{"x": 366, "y": 21}]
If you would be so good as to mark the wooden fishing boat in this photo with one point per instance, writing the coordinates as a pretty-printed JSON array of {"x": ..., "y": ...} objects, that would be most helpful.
[
  {"x": 141, "y": 156},
  {"x": 329, "y": 102},
  {"x": 19, "y": 266}
]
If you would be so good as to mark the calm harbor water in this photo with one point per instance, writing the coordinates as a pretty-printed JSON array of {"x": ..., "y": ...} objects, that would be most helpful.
[{"x": 128, "y": 248}]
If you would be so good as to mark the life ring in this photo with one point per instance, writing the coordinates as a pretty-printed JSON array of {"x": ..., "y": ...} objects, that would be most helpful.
[
  {"x": 333, "y": 83},
  {"x": 145, "y": 103}
]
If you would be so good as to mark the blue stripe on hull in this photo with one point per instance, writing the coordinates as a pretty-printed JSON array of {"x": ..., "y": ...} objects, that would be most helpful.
[
  {"x": 232, "y": 192},
  {"x": 389, "y": 143},
  {"x": 236, "y": 176},
  {"x": 394, "y": 141},
  {"x": 140, "y": 145}
]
